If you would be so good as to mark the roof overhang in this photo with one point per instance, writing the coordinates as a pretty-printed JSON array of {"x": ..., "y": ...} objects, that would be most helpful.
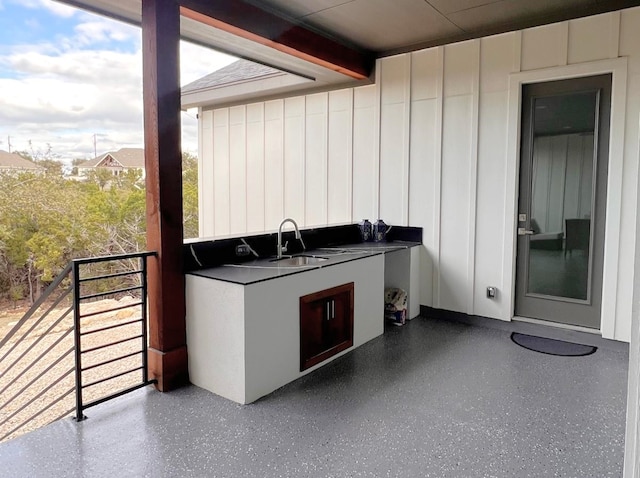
[
  {"x": 240, "y": 29},
  {"x": 275, "y": 84},
  {"x": 329, "y": 44}
]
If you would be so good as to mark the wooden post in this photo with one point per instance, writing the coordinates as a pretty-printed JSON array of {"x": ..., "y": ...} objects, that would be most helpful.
[{"x": 163, "y": 163}]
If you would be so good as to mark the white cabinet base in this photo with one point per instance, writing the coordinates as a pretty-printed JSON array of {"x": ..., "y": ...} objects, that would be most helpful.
[{"x": 243, "y": 341}]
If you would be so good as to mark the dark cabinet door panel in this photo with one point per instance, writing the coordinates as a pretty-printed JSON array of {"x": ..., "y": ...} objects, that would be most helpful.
[{"x": 326, "y": 324}]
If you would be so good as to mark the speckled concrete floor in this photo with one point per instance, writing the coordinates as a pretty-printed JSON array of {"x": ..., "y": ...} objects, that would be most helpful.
[{"x": 431, "y": 399}]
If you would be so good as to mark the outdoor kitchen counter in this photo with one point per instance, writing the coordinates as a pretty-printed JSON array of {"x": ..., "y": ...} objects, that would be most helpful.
[
  {"x": 261, "y": 270},
  {"x": 243, "y": 320}
]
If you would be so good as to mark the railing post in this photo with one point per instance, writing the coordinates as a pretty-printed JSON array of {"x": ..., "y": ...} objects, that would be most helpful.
[
  {"x": 77, "y": 346},
  {"x": 145, "y": 341}
]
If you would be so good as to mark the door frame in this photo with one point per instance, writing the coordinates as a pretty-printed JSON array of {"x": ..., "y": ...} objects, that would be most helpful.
[
  {"x": 573, "y": 311},
  {"x": 618, "y": 69}
]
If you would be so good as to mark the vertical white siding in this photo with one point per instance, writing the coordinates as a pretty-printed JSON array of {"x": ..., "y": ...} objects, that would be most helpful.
[
  {"x": 628, "y": 47},
  {"x": 365, "y": 161},
  {"x": 340, "y": 157},
  {"x": 424, "y": 151},
  {"x": 294, "y": 164},
  {"x": 316, "y": 160},
  {"x": 429, "y": 145},
  {"x": 394, "y": 136},
  {"x": 205, "y": 174},
  {"x": 499, "y": 56},
  {"x": 237, "y": 170},
  {"x": 544, "y": 47},
  {"x": 273, "y": 163},
  {"x": 589, "y": 38},
  {"x": 221, "y": 213},
  {"x": 255, "y": 168},
  {"x": 458, "y": 181}
]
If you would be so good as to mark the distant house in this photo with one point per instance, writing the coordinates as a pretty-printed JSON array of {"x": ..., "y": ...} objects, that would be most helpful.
[
  {"x": 15, "y": 162},
  {"x": 116, "y": 162}
]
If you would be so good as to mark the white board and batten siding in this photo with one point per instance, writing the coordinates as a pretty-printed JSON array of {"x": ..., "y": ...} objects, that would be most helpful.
[
  {"x": 432, "y": 144},
  {"x": 294, "y": 157}
]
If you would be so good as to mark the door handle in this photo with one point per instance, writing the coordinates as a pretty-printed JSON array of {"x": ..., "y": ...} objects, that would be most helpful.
[
  {"x": 330, "y": 309},
  {"x": 525, "y": 232}
]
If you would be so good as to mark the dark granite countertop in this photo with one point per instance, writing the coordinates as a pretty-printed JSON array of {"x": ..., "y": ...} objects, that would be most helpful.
[{"x": 267, "y": 269}]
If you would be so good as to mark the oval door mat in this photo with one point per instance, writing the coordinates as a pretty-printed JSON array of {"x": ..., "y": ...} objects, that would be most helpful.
[{"x": 552, "y": 346}]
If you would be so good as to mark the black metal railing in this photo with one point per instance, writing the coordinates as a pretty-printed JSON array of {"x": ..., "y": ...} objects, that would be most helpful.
[
  {"x": 84, "y": 340},
  {"x": 36, "y": 361},
  {"x": 129, "y": 359}
]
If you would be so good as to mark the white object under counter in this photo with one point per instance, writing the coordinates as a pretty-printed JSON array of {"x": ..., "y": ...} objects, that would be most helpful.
[
  {"x": 243, "y": 341},
  {"x": 402, "y": 270}
]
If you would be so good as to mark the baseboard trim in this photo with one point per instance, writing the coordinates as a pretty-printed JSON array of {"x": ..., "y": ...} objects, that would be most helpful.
[
  {"x": 577, "y": 328},
  {"x": 531, "y": 328}
]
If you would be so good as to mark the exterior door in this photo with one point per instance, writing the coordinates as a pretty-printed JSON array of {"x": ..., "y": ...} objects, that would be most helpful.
[{"x": 561, "y": 205}]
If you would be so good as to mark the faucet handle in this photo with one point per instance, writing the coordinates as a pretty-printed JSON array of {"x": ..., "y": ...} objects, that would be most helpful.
[{"x": 284, "y": 246}]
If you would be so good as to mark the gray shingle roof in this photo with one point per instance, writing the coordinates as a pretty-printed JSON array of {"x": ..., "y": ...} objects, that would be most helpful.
[
  {"x": 15, "y": 161},
  {"x": 127, "y": 157},
  {"x": 239, "y": 71}
]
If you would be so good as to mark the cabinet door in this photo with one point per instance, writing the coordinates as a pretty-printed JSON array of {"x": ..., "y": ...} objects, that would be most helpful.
[{"x": 326, "y": 324}]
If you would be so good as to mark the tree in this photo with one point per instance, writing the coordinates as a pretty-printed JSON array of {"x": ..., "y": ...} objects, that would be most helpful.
[
  {"x": 74, "y": 165},
  {"x": 43, "y": 157},
  {"x": 40, "y": 227},
  {"x": 190, "y": 195},
  {"x": 46, "y": 221}
]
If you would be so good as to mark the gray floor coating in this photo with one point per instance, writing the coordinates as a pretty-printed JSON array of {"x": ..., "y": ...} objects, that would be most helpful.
[{"x": 431, "y": 399}]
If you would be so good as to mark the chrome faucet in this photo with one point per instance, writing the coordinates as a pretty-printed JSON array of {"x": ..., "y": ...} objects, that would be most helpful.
[{"x": 282, "y": 248}]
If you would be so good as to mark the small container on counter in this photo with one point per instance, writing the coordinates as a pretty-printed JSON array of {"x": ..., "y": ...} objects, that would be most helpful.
[
  {"x": 380, "y": 231},
  {"x": 366, "y": 230}
]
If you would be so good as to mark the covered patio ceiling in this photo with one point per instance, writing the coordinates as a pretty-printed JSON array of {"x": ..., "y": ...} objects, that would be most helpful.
[{"x": 357, "y": 30}]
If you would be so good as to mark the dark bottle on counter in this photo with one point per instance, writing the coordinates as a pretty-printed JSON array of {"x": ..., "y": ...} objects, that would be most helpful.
[
  {"x": 366, "y": 230},
  {"x": 379, "y": 231}
]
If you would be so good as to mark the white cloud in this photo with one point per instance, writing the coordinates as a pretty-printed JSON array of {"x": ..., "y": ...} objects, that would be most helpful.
[
  {"x": 56, "y": 8},
  {"x": 31, "y": 24},
  {"x": 79, "y": 66},
  {"x": 88, "y": 82},
  {"x": 64, "y": 98},
  {"x": 100, "y": 30}
]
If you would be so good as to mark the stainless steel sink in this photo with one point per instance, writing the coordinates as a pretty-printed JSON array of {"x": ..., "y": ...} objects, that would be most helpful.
[
  {"x": 299, "y": 261},
  {"x": 327, "y": 251},
  {"x": 330, "y": 251}
]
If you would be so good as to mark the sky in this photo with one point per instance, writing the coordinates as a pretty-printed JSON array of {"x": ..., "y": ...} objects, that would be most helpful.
[{"x": 67, "y": 76}]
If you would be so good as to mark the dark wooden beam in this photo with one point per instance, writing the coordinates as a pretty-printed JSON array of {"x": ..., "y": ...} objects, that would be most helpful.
[
  {"x": 163, "y": 164},
  {"x": 250, "y": 22}
]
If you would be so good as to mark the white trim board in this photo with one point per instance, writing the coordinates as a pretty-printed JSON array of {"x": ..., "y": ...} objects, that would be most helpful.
[
  {"x": 618, "y": 68},
  {"x": 557, "y": 325}
]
